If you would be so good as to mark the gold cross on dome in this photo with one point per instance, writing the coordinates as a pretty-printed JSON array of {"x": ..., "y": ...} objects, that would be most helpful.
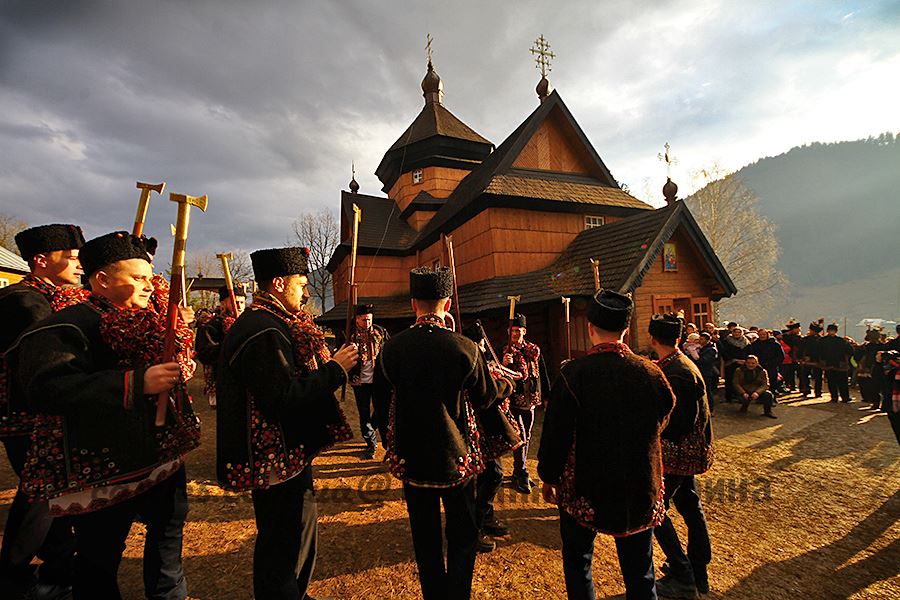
[
  {"x": 667, "y": 158},
  {"x": 428, "y": 40},
  {"x": 541, "y": 50}
]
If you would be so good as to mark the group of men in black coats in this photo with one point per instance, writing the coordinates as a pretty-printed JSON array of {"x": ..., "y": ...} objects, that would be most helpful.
[{"x": 84, "y": 374}]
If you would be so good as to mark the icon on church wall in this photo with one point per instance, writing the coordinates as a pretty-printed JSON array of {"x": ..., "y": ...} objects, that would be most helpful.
[{"x": 670, "y": 258}]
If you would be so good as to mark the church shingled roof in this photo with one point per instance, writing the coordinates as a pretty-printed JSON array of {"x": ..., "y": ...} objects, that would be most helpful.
[{"x": 626, "y": 249}]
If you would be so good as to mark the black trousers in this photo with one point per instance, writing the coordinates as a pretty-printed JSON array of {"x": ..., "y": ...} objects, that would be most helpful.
[
  {"x": 772, "y": 371},
  {"x": 870, "y": 390},
  {"x": 711, "y": 380},
  {"x": 525, "y": 419},
  {"x": 789, "y": 372},
  {"x": 690, "y": 567},
  {"x": 486, "y": 486},
  {"x": 766, "y": 399},
  {"x": 808, "y": 372},
  {"x": 730, "y": 394},
  {"x": 286, "y": 534},
  {"x": 368, "y": 419},
  {"x": 453, "y": 582},
  {"x": 838, "y": 385},
  {"x": 30, "y": 531},
  {"x": 100, "y": 541}
]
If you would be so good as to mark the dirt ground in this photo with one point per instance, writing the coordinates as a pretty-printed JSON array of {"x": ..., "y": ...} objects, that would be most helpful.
[{"x": 807, "y": 506}]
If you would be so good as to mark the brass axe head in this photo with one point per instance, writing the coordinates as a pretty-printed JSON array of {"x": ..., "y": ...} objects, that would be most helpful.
[
  {"x": 198, "y": 201},
  {"x": 225, "y": 255},
  {"x": 151, "y": 187}
]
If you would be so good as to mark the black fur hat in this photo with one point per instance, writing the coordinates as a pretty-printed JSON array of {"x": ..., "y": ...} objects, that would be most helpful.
[
  {"x": 239, "y": 291},
  {"x": 666, "y": 327},
  {"x": 113, "y": 247},
  {"x": 430, "y": 284},
  {"x": 833, "y": 327},
  {"x": 279, "y": 262},
  {"x": 474, "y": 332},
  {"x": 817, "y": 326},
  {"x": 47, "y": 238},
  {"x": 792, "y": 325},
  {"x": 610, "y": 310},
  {"x": 520, "y": 321},
  {"x": 364, "y": 309}
]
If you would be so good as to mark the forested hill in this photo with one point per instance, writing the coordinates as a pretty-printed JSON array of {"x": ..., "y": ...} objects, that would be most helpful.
[{"x": 836, "y": 206}]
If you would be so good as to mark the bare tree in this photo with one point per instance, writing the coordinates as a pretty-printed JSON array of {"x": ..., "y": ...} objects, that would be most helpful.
[
  {"x": 320, "y": 233},
  {"x": 207, "y": 264},
  {"x": 9, "y": 227},
  {"x": 745, "y": 241}
]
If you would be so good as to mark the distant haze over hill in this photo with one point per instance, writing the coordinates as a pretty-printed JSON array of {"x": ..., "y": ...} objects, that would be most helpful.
[{"x": 836, "y": 207}]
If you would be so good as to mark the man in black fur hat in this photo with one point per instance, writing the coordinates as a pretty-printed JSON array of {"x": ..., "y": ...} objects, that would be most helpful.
[
  {"x": 791, "y": 337},
  {"x": 276, "y": 411},
  {"x": 686, "y": 452},
  {"x": 90, "y": 373},
  {"x": 369, "y": 339},
  {"x": 810, "y": 361},
  {"x": 835, "y": 353},
  {"x": 600, "y": 457},
  {"x": 51, "y": 252},
  {"x": 211, "y": 330},
  {"x": 524, "y": 358},
  {"x": 433, "y": 381}
]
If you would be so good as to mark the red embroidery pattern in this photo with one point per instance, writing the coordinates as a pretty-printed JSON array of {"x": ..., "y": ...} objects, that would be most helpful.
[
  {"x": 271, "y": 460},
  {"x": 13, "y": 421}
]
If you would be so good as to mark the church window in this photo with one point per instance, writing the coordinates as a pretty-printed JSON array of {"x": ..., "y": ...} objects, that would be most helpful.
[
  {"x": 591, "y": 221},
  {"x": 417, "y": 176},
  {"x": 701, "y": 312}
]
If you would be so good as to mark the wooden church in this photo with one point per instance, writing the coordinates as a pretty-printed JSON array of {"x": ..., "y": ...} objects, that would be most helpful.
[{"x": 526, "y": 219}]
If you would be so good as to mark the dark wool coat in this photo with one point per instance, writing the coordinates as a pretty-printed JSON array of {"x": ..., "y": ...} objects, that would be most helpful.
[
  {"x": 273, "y": 415},
  {"x": 835, "y": 353},
  {"x": 865, "y": 359},
  {"x": 794, "y": 341},
  {"x": 709, "y": 360},
  {"x": 808, "y": 352},
  {"x": 732, "y": 349},
  {"x": 208, "y": 341},
  {"x": 769, "y": 352},
  {"x": 106, "y": 433},
  {"x": 21, "y": 306},
  {"x": 687, "y": 440},
  {"x": 600, "y": 443},
  {"x": 430, "y": 381}
]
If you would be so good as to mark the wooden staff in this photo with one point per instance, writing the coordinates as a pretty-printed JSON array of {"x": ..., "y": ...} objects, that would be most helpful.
[
  {"x": 229, "y": 283},
  {"x": 512, "y": 316},
  {"x": 351, "y": 285},
  {"x": 565, "y": 302},
  {"x": 595, "y": 265},
  {"x": 181, "y": 232},
  {"x": 451, "y": 262},
  {"x": 143, "y": 203}
]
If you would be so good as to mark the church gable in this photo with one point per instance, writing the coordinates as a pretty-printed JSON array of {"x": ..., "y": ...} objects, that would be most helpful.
[{"x": 555, "y": 146}]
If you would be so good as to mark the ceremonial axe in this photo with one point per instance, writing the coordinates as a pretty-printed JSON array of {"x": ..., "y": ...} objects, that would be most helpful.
[
  {"x": 512, "y": 315},
  {"x": 595, "y": 265},
  {"x": 229, "y": 283},
  {"x": 182, "y": 224},
  {"x": 144, "y": 202},
  {"x": 565, "y": 302}
]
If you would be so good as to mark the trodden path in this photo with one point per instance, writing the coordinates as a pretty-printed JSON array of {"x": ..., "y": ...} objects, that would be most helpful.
[{"x": 807, "y": 506}]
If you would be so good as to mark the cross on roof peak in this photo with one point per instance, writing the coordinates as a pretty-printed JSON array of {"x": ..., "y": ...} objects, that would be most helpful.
[
  {"x": 428, "y": 40},
  {"x": 667, "y": 158},
  {"x": 543, "y": 55}
]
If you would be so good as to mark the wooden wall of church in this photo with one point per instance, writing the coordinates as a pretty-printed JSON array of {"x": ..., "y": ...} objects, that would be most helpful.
[
  {"x": 555, "y": 147},
  {"x": 376, "y": 276},
  {"x": 692, "y": 281},
  {"x": 437, "y": 181}
]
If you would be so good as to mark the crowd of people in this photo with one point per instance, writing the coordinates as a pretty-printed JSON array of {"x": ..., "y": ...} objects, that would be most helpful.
[
  {"x": 769, "y": 363},
  {"x": 97, "y": 422}
]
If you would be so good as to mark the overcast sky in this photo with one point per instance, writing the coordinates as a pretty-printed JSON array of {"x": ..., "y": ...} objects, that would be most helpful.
[{"x": 263, "y": 105}]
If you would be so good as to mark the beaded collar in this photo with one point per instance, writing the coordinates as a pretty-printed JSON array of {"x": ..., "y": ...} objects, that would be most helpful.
[
  {"x": 58, "y": 297},
  {"x": 669, "y": 358},
  {"x": 620, "y": 348},
  {"x": 431, "y": 319}
]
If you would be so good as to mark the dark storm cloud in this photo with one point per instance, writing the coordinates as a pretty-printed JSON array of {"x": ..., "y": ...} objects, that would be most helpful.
[{"x": 262, "y": 105}]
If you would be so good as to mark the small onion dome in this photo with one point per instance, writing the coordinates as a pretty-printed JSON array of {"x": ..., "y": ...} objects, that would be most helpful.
[
  {"x": 432, "y": 86},
  {"x": 670, "y": 191},
  {"x": 354, "y": 187},
  {"x": 543, "y": 88}
]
